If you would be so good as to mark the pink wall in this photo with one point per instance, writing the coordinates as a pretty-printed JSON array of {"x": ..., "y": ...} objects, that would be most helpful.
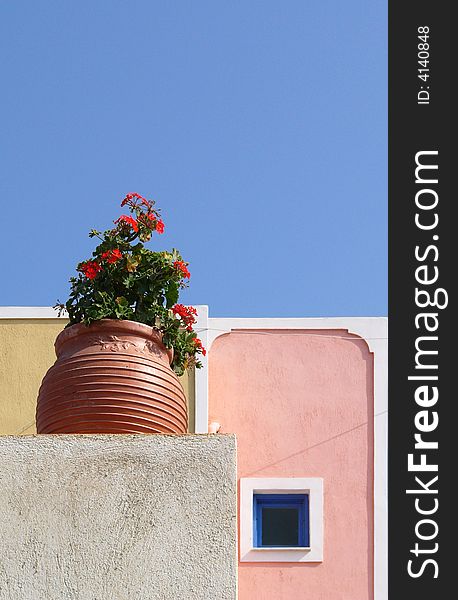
[{"x": 301, "y": 404}]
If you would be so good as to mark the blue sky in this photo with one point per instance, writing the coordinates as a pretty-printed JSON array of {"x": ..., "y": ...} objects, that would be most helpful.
[{"x": 259, "y": 127}]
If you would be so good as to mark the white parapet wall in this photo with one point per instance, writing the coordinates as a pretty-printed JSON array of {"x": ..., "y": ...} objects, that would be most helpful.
[{"x": 87, "y": 517}]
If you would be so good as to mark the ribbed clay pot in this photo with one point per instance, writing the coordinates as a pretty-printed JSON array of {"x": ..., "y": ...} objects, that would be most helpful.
[{"x": 111, "y": 377}]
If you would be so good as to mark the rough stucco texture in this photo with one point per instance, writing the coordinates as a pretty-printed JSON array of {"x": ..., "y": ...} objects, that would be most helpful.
[{"x": 118, "y": 517}]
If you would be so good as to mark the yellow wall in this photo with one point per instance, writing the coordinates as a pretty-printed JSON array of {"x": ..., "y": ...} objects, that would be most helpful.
[{"x": 26, "y": 353}]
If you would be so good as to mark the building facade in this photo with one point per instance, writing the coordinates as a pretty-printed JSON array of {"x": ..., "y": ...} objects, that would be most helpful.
[{"x": 307, "y": 401}]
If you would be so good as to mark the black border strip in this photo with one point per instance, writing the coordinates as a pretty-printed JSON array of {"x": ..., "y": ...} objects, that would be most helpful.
[{"x": 421, "y": 327}]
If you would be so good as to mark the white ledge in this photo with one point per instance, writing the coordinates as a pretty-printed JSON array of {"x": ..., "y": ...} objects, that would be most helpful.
[{"x": 29, "y": 312}]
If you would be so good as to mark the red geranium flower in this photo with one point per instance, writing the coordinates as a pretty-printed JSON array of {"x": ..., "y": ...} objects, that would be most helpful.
[
  {"x": 127, "y": 199},
  {"x": 129, "y": 220},
  {"x": 145, "y": 202},
  {"x": 134, "y": 196},
  {"x": 160, "y": 226},
  {"x": 182, "y": 268},
  {"x": 112, "y": 256},
  {"x": 187, "y": 315},
  {"x": 90, "y": 268},
  {"x": 198, "y": 345}
]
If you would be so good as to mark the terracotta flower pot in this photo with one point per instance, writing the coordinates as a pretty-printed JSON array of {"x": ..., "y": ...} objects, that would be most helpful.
[{"x": 111, "y": 377}]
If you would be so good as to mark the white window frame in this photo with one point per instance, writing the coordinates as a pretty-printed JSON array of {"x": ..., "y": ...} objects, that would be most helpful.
[{"x": 313, "y": 487}]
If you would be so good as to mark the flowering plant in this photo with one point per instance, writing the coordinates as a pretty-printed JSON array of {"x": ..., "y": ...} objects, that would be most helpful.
[{"x": 125, "y": 280}]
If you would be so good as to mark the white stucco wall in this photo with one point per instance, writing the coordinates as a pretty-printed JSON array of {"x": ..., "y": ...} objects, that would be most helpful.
[{"x": 118, "y": 517}]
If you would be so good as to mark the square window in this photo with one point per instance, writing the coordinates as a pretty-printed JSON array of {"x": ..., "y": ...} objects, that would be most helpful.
[{"x": 280, "y": 520}]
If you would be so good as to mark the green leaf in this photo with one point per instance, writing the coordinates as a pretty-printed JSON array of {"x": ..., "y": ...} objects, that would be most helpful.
[{"x": 171, "y": 294}]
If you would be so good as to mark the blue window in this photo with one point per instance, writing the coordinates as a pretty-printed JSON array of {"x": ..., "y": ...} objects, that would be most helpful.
[{"x": 281, "y": 521}]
